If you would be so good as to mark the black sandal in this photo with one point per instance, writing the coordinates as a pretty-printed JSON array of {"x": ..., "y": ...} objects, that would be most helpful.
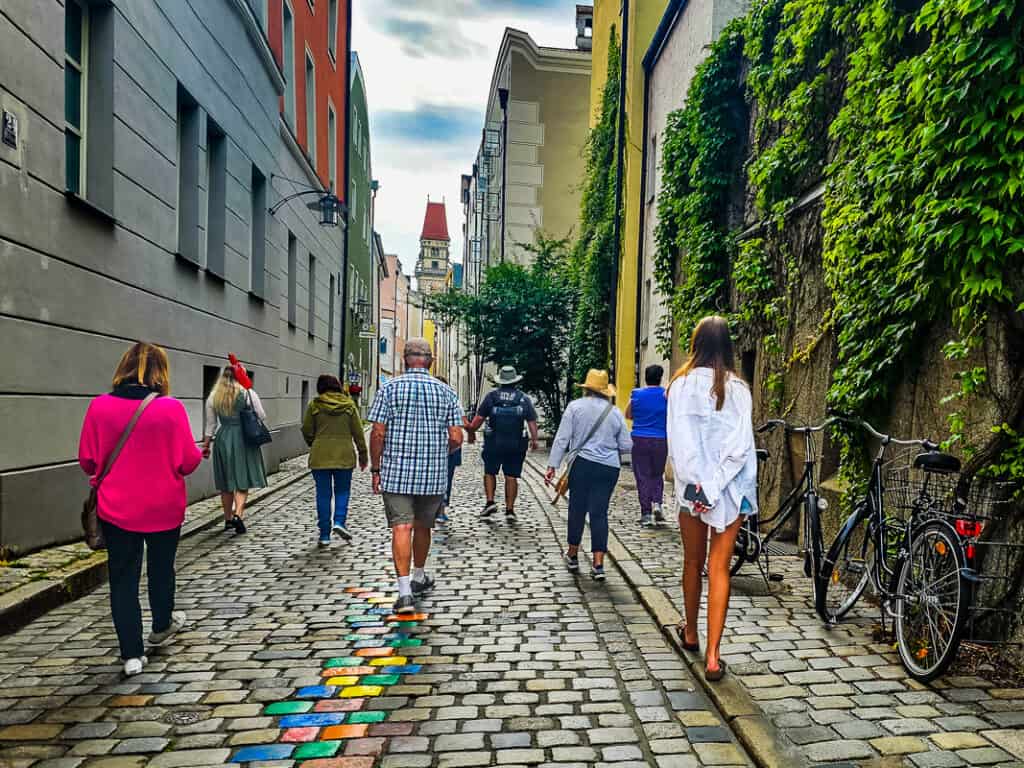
[
  {"x": 681, "y": 632},
  {"x": 714, "y": 675}
]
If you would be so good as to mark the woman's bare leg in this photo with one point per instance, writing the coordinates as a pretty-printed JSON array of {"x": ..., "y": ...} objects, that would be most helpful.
[
  {"x": 694, "y": 534},
  {"x": 240, "y": 497},
  {"x": 722, "y": 545},
  {"x": 227, "y": 501}
]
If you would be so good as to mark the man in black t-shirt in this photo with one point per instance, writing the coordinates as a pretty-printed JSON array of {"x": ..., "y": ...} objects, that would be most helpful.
[{"x": 507, "y": 410}]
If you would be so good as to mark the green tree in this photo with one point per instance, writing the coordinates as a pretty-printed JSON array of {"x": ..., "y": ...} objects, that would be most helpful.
[
  {"x": 521, "y": 317},
  {"x": 594, "y": 252}
]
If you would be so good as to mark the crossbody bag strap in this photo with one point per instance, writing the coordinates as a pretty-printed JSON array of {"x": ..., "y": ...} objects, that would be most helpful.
[
  {"x": 124, "y": 437},
  {"x": 593, "y": 430}
]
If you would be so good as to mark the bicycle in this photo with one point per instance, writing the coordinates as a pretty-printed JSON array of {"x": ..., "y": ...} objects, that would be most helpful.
[
  {"x": 917, "y": 564},
  {"x": 752, "y": 547}
]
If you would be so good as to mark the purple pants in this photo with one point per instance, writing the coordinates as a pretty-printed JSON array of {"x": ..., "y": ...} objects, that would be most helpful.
[{"x": 649, "y": 456}]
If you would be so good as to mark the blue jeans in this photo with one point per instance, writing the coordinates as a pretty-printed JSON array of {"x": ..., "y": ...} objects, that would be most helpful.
[{"x": 341, "y": 479}]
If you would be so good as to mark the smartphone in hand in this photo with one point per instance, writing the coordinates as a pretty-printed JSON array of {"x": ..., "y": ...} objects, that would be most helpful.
[{"x": 692, "y": 493}]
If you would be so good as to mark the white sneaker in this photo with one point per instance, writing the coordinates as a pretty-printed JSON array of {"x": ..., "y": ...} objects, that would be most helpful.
[
  {"x": 178, "y": 620},
  {"x": 133, "y": 667}
]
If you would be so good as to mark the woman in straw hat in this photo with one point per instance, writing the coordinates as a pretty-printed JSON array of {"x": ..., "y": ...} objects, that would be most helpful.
[
  {"x": 711, "y": 445},
  {"x": 591, "y": 438}
]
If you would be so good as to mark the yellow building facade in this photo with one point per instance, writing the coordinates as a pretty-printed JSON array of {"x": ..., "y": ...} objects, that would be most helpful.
[{"x": 640, "y": 24}]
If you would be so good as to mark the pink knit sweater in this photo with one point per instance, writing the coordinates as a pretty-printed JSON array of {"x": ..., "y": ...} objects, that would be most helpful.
[{"x": 145, "y": 491}]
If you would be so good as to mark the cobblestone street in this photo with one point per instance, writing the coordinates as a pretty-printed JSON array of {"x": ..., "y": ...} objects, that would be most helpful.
[
  {"x": 520, "y": 663},
  {"x": 834, "y": 695}
]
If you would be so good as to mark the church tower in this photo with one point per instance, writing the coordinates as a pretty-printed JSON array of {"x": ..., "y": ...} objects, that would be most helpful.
[{"x": 432, "y": 265}]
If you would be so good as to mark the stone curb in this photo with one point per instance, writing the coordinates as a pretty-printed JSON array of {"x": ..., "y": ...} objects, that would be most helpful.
[
  {"x": 762, "y": 740},
  {"x": 20, "y": 606}
]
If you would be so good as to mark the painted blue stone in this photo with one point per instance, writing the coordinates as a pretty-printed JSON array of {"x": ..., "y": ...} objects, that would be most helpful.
[
  {"x": 408, "y": 669},
  {"x": 312, "y": 719},
  {"x": 316, "y": 692},
  {"x": 263, "y": 752},
  {"x": 380, "y": 611},
  {"x": 361, "y": 624}
]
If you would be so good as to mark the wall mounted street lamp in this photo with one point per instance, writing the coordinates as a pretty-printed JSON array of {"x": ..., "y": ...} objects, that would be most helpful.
[{"x": 332, "y": 210}]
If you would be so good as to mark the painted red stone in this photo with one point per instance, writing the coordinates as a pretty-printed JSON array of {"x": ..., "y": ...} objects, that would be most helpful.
[
  {"x": 339, "y": 705},
  {"x": 300, "y": 734},
  {"x": 339, "y": 762}
]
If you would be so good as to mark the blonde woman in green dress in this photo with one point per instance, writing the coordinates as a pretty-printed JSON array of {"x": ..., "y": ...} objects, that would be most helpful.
[{"x": 237, "y": 466}]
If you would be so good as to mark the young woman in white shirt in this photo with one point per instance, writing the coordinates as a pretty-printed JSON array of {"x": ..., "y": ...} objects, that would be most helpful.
[{"x": 711, "y": 446}]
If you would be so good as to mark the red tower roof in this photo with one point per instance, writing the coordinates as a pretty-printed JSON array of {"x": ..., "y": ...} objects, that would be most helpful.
[{"x": 435, "y": 223}]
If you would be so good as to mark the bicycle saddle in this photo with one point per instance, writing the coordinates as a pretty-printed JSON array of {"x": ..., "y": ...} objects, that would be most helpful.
[
  {"x": 762, "y": 454},
  {"x": 940, "y": 463}
]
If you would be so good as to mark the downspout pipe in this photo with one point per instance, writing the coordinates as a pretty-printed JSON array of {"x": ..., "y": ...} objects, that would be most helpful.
[
  {"x": 619, "y": 172},
  {"x": 644, "y": 181},
  {"x": 346, "y": 175},
  {"x": 503, "y": 98}
]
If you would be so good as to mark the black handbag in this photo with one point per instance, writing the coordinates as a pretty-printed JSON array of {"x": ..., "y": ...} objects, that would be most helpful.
[{"x": 254, "y": 431}]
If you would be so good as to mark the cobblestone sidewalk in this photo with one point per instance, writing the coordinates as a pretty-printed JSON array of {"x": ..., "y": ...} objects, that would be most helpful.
[
  {"x": 521, "y": 663},
  {"x": 835, "y": 694}
]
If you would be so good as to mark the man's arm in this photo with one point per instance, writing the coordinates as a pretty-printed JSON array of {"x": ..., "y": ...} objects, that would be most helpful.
[
  {"x": 377, "y": 433},
  {"x": 534, "y": 435},
  {"x": 454, "y": 438}
]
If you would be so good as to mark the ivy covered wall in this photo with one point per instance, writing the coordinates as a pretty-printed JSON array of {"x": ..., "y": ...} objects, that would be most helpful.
[{"x": 846, "y": 177}]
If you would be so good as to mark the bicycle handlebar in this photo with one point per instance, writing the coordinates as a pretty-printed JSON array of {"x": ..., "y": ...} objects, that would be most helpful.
[{"x": 772, "y": 424}]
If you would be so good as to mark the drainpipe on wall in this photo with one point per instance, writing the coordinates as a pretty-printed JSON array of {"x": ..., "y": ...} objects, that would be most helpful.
[
  {"x": 640, "y": 237},
  {"x": 503, "y": 98},
  {"x": 348, "y": 187},
  {"x": 619, "y": 163}
]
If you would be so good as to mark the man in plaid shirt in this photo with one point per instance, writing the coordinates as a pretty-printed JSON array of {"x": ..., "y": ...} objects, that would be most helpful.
[{"x": 416, "y": 421}]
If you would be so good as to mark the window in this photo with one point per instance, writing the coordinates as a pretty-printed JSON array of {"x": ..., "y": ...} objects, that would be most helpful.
[
  {"x": 332, "y": 28},
  {"x": 258, "y": 249},
  {"x": 651, "y": 181},
  {"x": 288, "y": 55},
  {"x": 330, "y": 313},
  {"x": 645, "y": 313},
  {"x": 433, "y": 265},
  {"x": 310, "y": 109},
  {"x": 188, "y": 177},
  {"x": 293, "y": 246},
  {"x": 210, "y": 375},
  {"x": 216, "y": 202},
  {"x": 332, "y": 148},
  {"x": 76, "y": 56},
  {"x": 311, "y": 298},
  {"x": 304, "y": 402}
]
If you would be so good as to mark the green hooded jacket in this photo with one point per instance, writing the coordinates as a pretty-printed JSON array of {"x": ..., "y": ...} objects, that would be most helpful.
[{"x": 334, "y": 431}]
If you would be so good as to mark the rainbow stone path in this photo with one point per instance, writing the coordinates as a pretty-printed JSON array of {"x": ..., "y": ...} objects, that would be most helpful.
[{"x": 335, "y": 725}]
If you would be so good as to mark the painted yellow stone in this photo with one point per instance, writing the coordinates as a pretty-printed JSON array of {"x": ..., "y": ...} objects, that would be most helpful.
[
  {"x": 359, "y": 691},
  {"x": 390, "y": 661},
  {"x": 381, "y": 600},
  {"x": 343, "y": 680}
]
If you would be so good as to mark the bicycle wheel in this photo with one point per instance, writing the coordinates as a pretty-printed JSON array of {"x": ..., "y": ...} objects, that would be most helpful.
[
  {"x": 847, "y": 568},
  {"x": 812, "y": 543},
  {"x": 747, "y": 548},
  {"x": 931, "y": 600}
]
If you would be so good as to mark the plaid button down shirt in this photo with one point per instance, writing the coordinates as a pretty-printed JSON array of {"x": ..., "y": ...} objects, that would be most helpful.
[{"x": 417, "y": 410}]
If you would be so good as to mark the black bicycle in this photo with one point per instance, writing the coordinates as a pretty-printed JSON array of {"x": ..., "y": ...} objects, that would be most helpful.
[
  {"x": 752, "y": 547},
  {"x": 909, "y": 537}
]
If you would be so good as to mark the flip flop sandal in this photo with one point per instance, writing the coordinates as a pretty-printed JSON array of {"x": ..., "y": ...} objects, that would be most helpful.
[
  {"x": 714, "y": 675},
  {"x": 681, "y": 632}
]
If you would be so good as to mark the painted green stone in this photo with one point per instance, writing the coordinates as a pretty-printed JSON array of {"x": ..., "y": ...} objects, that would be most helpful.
[
  {"x": 409, "y": 642},
  {"x": 406, "y": 624},
  {"x": 354, "y": 637},
  {"x": 288, "y": 707},
  {"x": 366, "y": 717},
  {"x": 343, "y": 661},
  {"x": 379, "y": 679},
  {"x": 354, "y": 618},
  {"x": 317, "y": 749}
]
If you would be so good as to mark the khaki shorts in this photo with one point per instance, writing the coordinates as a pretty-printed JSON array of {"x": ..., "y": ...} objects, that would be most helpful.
[{"x": 403, "y": 509}]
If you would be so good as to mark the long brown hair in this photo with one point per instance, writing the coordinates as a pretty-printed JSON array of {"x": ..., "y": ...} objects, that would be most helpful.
[
  {"x": 144, "y": 364},
  {"x": 711, "y": 347}
]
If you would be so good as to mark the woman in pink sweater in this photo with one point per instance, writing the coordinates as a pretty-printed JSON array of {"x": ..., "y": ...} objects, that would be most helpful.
[{"x": 142, "y": 499}]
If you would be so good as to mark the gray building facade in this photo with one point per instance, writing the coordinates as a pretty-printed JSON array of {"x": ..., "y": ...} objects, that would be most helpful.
[{"x": 144, "y": 145}]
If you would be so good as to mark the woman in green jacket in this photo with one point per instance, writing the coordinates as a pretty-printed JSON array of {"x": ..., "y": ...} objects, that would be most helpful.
[{"x": 334, "y": 432}]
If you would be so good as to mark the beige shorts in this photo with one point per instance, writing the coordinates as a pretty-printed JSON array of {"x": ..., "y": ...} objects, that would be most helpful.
[{"x": 403, "y": 509}]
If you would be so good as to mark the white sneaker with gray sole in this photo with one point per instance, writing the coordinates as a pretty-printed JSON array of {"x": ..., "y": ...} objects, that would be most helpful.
[{"x": 178, "y": 620}]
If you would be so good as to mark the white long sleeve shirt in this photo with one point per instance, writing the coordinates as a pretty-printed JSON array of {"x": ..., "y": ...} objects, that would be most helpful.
[
  {"x": 213, "y": 423},
  {"x": 712, "y": 448}
]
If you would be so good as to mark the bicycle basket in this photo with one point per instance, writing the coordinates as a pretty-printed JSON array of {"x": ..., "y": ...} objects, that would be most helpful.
[{"x": 908, "y": 490}]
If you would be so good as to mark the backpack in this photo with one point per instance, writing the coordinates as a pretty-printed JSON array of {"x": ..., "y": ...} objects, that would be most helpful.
[{"x": 506, "y": 423}]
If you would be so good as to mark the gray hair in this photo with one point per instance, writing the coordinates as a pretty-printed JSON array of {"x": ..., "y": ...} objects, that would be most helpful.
[{"x": 418, "y": 348}]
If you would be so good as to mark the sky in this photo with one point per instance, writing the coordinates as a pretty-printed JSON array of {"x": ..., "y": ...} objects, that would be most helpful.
[{"x": 428, "y": 67}]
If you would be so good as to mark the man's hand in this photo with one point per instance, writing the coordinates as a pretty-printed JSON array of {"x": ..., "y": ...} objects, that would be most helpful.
[
  {"x": 534, "y": 446},
  {"x": 376, "y": 483},
  {"x": 363, "y": 465},
  {"x": 549, "y": 475}
]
